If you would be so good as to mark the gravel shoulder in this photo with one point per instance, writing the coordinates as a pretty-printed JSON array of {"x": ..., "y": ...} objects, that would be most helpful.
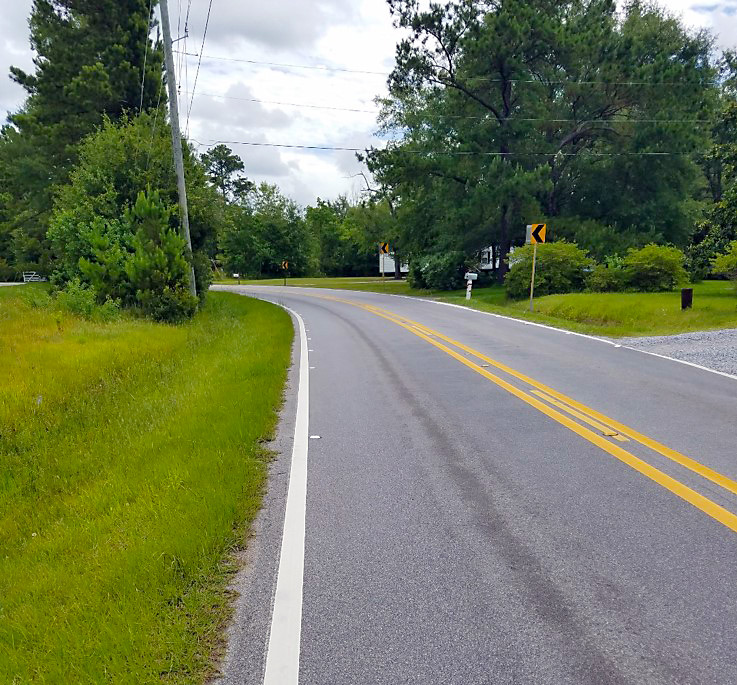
[{"x": 713, "y": 349}]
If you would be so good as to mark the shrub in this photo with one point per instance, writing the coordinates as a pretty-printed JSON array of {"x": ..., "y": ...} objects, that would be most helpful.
[
  {"x": 415, "y": 277},
  {"x": 79, "y": 299},
  {"x": 654, "y": 268},
  {"x": 561, "y": 268},
  {"x": 726, "y": 264},
  {"x": 606, "y": 279},
  {"x": 158, "y": 271},
  {"x": 7, "y": 272},
  {"x": 437, "y": 271}
]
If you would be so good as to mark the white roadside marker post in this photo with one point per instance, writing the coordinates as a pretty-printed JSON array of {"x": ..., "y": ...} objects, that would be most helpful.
[{"x": 470, "y": 278}]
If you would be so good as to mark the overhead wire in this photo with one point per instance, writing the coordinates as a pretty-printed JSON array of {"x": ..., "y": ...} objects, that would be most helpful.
[
  {"x": 454, "y": 116},
  {"x": 145, "y": 53},
  {"x": 199, "y": 62},
  {"x": 464, "y": 153},
  {"x": 486, "y": 79}
]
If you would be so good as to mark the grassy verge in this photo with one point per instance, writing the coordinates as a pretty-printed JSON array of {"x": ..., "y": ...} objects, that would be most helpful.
[
  {"x": 606, "y": 314},
  {"x": 131, "y": 465}
]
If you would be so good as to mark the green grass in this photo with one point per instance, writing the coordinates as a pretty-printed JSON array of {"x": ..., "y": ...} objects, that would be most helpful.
[
  {"x": 131, "y": 465},
  {"x": 619, "y": 314},
  {"x": 607, "y": 314}
]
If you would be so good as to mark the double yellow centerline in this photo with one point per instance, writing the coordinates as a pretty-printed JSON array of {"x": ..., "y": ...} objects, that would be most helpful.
[{"x": 553, "y": 404}]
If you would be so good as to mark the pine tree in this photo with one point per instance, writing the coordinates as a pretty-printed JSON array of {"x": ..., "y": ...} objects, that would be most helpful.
[{"x": 90, "y": 57}]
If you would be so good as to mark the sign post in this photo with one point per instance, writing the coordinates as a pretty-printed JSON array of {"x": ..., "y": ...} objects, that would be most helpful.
[
  {"x": 285, "y": 266},
  {"x": 383, "y": 250},
  {"x": 535, "y": 234}
]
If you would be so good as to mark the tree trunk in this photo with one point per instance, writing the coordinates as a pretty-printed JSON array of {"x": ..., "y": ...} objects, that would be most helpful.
[{"x": 397, "y": 267}]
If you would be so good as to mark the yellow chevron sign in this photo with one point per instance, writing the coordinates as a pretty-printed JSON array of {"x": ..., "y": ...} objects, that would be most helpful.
[{"x": 536, "y": 233}]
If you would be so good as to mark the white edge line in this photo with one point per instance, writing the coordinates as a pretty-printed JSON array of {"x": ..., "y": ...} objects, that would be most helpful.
[
  {"x": 282, "y": 655},
  {"x": 539, "y": 325},
  {"x": 683, "y": 361}
]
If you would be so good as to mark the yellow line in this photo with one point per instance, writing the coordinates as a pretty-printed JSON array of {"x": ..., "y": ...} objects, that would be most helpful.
[
  {"x": 689, "y": 495},
  {"x": 605, "y": 430},
  {"x": 622, "y": 429},
  {"x": 694, "y": 498}
]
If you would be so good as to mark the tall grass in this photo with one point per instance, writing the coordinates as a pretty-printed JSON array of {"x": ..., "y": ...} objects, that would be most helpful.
[{"x": 130, "y": 465}]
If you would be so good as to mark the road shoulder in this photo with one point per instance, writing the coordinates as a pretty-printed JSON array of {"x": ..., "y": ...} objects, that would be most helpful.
[{"x": 254, "y": 584}]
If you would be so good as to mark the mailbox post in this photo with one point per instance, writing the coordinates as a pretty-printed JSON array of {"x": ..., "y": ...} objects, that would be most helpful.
[{"x": 470, "y": 278}]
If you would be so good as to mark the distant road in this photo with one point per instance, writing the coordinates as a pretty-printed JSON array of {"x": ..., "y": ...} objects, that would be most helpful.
[{"x": 492, "y": 501}]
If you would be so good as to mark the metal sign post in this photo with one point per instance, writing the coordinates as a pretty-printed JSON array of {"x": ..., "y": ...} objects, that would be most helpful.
[
  {"x": 536, "y": 233},
  {"x": 532, "y": 280},
  {"x": 285, "y": 266}
]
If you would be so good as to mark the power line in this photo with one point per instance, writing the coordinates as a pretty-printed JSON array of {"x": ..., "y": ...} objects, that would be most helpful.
[
  {"x": 292, "y": 66},
  {"x": 486, "y": 79},
  {"x": 145, "y": 53},
  {"x": 199, "y": 61},
  {"x": 457, "y": 116},
  {"x": 464, "y": 153}
]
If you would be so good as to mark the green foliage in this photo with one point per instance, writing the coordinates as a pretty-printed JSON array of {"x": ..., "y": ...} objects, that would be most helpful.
[
  {"x": 157, "y": 270},
  {"x": 224, "y": 171},
  {"x": 256, "y": 239},
  {"x": 7, "y": 272},
  {"x": 606, "y": 279},
  {"x": 128, "y": 480},
  {"x": 438, "y": 271},
  {"x": 90, "y": 57},
  {"x": 471, "y": 79},
  {"x": 726, "y": 264},
  {"x": 654, "y": 268},
  {"x": 560, "y": 268},
  {"x": 343, "y": 236},
  {"x": 81, "y": 300},
  {"x": 599, "y": 240}
]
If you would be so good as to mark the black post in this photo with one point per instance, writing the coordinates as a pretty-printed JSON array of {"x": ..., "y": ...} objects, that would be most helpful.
[{"x": 686, "y": 298}]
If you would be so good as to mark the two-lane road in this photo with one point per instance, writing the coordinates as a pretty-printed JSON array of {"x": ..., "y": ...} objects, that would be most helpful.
[{"x": 496, "y": 502}]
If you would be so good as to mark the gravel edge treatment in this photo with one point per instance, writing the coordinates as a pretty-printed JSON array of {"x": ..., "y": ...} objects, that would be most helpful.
[{"x": 713, "y": 349}]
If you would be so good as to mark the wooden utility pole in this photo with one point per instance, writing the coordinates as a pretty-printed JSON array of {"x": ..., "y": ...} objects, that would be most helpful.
[{"x": 176, "y": 140}]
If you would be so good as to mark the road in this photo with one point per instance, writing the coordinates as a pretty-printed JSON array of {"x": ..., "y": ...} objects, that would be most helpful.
[{"x": 490, "y": 501}]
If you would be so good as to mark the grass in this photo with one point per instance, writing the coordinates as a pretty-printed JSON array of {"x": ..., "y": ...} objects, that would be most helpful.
[
  {"x": 607, "y": 314},
  {"x": 131, "y": 465}
]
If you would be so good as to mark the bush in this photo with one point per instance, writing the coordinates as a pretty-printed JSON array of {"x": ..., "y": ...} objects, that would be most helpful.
[
  {"x": 415, "y": 277},
  {"x": 561, "y": 268},
  {"x": 158, "y": 271},
  {"x": 654, "y": 268},
  {"x": 438, "y": 271},
  {"x": 171, "y": 305},
  {"x": 606, "y": 279},
  {"x": 7, "y": 272},
  {"x": 79, "y": 299},
  {"x": 726, "y": 264}
]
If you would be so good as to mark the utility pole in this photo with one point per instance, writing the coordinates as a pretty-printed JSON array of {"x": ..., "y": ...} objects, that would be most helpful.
[{"x": 176, "y": 140}]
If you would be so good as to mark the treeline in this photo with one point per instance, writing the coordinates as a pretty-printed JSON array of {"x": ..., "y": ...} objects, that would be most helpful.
[
  {"x": 618, "y": 128},
  {"x": 88, "y": 193}
]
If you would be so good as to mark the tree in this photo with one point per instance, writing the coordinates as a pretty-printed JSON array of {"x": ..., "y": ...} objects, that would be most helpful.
[
  {"x": 505, "y": 109},
  {"x": 92, "y": 59},
  {"x": 223, "y": 169},
  {"x": 114, "y": 165}
]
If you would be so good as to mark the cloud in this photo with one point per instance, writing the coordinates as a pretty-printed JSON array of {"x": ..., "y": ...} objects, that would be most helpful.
[{"x": 286, "y": 25}]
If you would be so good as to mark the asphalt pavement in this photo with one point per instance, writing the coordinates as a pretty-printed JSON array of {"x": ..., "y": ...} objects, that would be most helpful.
[{"x": 489, "y": 501}]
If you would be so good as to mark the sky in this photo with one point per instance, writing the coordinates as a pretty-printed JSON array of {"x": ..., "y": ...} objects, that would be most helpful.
[{"x": 239, "y": 98}]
